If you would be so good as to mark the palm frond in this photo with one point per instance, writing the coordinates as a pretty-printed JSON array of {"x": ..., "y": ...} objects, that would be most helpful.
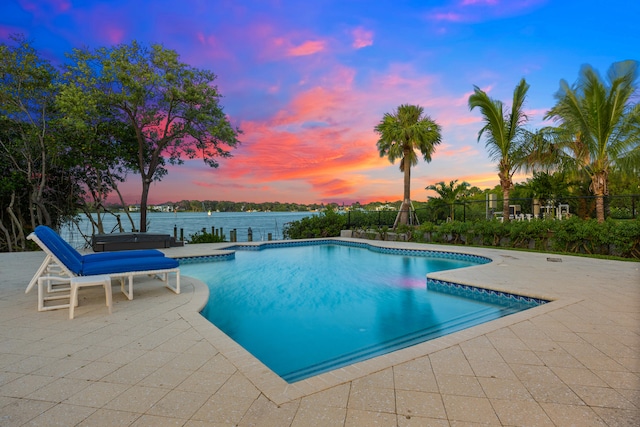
[{"x": 405, "y": 131}]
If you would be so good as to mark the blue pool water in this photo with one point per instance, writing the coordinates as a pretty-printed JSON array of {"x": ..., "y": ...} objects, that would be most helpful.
[{"x": 309, "y": 309}]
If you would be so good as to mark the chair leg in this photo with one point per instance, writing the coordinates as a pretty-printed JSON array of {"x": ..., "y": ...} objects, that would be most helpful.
[
  {"x": 107, "y": 291},
  {"x": 74, "y": 299}
]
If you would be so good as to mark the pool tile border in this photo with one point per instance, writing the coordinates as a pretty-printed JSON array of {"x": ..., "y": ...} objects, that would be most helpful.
[
  {"x": 206, "y": 258},
  {"x": 258, "y": 246},
  {"x": 484, "y": 294}
]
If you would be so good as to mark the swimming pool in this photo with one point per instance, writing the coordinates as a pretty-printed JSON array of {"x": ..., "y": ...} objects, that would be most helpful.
[{"x": 304, "y": 310}]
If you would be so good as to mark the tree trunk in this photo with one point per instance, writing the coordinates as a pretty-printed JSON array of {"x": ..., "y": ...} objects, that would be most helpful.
[
  {"x": 19, "y": 239},
  {"x": 146, "y": 184},
  {"x": 404, "y": 216},
  {"x": 407, "y": 178},
  {"x": 506, "y": 184},
  {"x": 505, "y": 203},
  {"x": 124, "y": 206},
  {"x": 599, "y": 188},
  {"x": 7, "y": 236},
  {"x": 600, "y": 207}
]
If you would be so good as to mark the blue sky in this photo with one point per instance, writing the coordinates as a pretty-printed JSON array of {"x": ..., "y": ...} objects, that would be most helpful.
[{"x": 308, "y": 81}]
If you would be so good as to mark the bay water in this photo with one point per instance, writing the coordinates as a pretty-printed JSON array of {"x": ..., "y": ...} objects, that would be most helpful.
[{"x": 188, "y": 223}]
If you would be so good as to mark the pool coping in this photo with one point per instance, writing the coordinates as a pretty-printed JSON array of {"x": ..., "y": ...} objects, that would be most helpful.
[{"x": 279, "y": 391}]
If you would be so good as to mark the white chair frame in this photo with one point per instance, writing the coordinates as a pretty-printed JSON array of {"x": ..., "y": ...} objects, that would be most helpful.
[{"x": 57, "y": 278}]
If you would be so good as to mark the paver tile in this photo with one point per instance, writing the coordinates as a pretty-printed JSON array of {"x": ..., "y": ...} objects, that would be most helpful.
[
  {"x": 470, "y": 409},
  {"x": 372, "y": 399},
  {"x": 420, "y": 404},
  {"x": 520, "y": 413},
  {"x": 566, "y": 415},
  {"x": 136, "y": 399},
  {"x": 359, "y": 418}
]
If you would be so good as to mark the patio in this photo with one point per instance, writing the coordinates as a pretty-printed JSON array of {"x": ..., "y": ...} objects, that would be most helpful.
[{"x": 155, "y": 361}]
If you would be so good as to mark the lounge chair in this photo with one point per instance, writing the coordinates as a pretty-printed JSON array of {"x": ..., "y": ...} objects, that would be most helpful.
[{"x": 63, "y": 262}]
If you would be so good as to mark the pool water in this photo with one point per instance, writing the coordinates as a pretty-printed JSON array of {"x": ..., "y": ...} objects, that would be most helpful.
[{"x": 309, "y": 309}]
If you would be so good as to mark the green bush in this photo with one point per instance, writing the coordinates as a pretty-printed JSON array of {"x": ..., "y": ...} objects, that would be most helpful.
[
  {"x": 327, "y": 224},
  {"x": 205, "y": 237}
]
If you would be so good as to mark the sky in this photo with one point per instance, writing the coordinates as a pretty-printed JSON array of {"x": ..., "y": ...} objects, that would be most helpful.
[{"x": 307, "y": 81}]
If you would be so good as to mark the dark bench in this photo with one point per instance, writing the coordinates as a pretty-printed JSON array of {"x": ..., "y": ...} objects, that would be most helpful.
[{"x": 128, "y": 241}]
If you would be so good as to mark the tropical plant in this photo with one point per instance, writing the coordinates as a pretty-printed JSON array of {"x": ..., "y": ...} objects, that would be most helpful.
[
  {"x": 172, "y": 108},
  {"x": 402, "y": 133},
  {"x": 505, "y": 135},
  {"x": 598, "y": 127},
  {"x": 448, "y": 194}
]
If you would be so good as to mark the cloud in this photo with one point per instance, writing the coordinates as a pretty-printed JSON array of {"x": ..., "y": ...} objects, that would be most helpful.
[
  {"x": 467, "y": 11},
  {"x": 307, "y": 48},
  {"x": 6, "y": 31},
  {"x": 361, "y": 38},
  {"x": 114, "y": 35},
  {"x": 476, "y": 2},
  {"x": 211, "y": 46},
  {"x": 333, "y": 187},
  {"x": 42, "y": 8}
]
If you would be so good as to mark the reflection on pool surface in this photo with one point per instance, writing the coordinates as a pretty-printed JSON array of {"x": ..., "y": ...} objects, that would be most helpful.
[{"x": 305, "y": 310}]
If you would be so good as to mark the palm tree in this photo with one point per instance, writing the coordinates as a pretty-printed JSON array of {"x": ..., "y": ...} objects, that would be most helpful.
[
  {"x": 449, "y": 193},
  {"x": 401, "y": 134},
  {"x": 598, "y": 127},
  {"x": 505, "y": 135}
]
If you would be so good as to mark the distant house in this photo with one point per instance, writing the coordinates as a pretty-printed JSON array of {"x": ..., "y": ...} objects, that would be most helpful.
[
  {"x": 133, "y": 208},
  {"x": 161, "y": 208},
  {"x": 386, "y": 207}
]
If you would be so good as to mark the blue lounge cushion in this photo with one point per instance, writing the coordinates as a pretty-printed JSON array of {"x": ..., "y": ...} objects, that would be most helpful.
[
  {"x": 63, "y": 250},
  {"x": 128, "y": 265},
  {"x": 105, "y": 262},
  {"x": 135, "y": 253}
]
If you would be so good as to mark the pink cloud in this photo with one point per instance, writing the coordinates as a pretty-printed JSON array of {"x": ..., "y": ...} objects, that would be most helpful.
[
  {"x": 307, "y": 48},
  {"x": 211, "y": 46},
  {"x": 448, "y": 16},
  {"x": 268, "y": 42},
  {"x": 447, "y": 150},
  {"x": 474, "y": 2},
  {"x": 362, "y": 38},
  {"x": 6, "y": 31},
  {"x": 333, "y": 187},
  {"x": 114, "y": 35},
  {"x": 481, "y": 10},
  {"x": 44, "y": 7}
]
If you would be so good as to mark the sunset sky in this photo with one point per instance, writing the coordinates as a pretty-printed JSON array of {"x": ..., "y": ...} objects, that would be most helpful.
[{"x": 307, "y": 81}]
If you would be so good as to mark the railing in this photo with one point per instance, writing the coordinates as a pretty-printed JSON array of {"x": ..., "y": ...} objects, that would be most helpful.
[{"x": 616, "y": 207}]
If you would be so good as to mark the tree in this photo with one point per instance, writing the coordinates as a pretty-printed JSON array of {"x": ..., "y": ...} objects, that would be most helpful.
[
  {"x": 448, "y": 194},
  {"x": 401, "y": 134},
  {"x": 505, "y": 135},
  {"x": 172, "y": 108},
  {"x": 34, "y": 188},
  {"x": 96, "y": 151},
  {"x": 27, "y": 93},
  {"x": 598, "y": 127}
]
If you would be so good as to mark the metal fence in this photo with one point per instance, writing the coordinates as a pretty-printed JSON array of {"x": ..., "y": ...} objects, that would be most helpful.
[{"x": 616, "y": 207}]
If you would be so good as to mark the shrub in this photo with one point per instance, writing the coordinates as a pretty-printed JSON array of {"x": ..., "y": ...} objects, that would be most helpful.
[
  {"x": 205, "y": 237},
  {"x": 327, "y": 224}
]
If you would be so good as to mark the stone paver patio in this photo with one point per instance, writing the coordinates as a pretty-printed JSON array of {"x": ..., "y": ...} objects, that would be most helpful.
[{"x": 155, "y": 361}]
